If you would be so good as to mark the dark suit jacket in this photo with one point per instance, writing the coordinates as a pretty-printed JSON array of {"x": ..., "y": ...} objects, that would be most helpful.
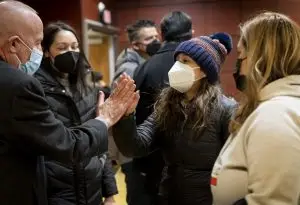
[{"x": 29, "y": 130}]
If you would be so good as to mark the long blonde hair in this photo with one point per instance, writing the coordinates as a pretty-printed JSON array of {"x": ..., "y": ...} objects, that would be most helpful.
[{"x": 272, "y": 44}]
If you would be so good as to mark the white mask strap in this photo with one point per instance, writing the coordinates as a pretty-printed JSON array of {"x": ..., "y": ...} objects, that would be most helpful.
[{"x": 25, "y": 44}]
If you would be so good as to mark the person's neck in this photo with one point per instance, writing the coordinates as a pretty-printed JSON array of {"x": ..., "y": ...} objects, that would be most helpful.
[
  {"x": 5, "y": 59},
  {"x": 143, "y": 55},
  {"x": 191, "y": 93},
  {"x": 61, "y": 74}
]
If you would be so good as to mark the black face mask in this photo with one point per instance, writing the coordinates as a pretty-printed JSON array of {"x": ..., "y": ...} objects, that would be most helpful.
[
  {"x": 240, "y": 80},
  {"x": 66, "y": 62},
  {"x": 153, "y": 47}
]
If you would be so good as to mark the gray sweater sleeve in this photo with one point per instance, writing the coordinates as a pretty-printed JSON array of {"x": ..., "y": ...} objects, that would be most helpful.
[{"x": 128, "y": 68}]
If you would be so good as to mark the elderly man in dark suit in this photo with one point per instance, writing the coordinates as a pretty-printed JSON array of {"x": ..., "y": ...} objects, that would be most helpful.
[{"x": 28, "y": 129}]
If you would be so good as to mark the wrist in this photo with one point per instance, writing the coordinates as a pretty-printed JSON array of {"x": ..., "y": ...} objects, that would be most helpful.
[
  {"x": 110, "y": 199},
  {"x": 105, "y": 120},
  {"x": 130, "y": 113}
]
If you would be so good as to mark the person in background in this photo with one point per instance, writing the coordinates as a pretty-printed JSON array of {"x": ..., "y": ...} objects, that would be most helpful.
[
  {"x": 151, "y": 77},
  {"x": 144, "y": 42},
  {"x": 259, "y": 163},
  {"x": 63, "y": 75},
  {"x": 189, "y": 123},
  {"x": 97, "y": 81},
  {"x": 28, "y": 128}
]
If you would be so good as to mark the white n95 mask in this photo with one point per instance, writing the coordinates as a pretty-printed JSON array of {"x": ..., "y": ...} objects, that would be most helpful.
[{"x": 182, "y": 77}]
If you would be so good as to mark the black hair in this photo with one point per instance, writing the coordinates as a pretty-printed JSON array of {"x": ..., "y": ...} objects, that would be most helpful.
[
  {"x": 176, "y": 26},
  {"x": 83, "y": 66},
  {"x": 51, "y": 30},
  {"x": 133, "y": 29}
]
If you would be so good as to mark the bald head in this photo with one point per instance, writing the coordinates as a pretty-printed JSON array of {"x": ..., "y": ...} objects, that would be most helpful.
[
  {"x": 19, "y": 25},
  {"x": 16, "y": 18},
  {"x": 18, "y": 4}
]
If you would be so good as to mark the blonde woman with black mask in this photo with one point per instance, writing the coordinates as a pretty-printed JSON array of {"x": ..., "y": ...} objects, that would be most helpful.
[{"x": 260, "y": 161}]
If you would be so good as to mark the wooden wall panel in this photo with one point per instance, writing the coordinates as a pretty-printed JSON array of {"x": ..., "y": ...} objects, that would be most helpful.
[
  {"x": 219, "y": 16},
  {"x": 208, "y": 17},
  {"x": 120, "y": 4},
  {"x": 228, "y": 68},
  {"x": 89, "y": 8},
  {"x": 228, "y": 84},
  {"x": 253, "y": 7},
  {"x": 123, "y": 18},
  {"x": 67, "y": 10},
  {"x": 291, "y": 8}
]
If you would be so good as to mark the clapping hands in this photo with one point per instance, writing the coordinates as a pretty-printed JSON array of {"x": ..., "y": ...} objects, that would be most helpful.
[{"x": 122, "y": 101}]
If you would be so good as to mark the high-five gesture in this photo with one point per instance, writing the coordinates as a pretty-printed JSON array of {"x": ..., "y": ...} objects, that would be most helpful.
[{"x": 119, "y": 101}]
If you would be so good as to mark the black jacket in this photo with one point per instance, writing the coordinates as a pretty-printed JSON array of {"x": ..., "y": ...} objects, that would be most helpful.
[
  {"x": 75, "y": 183},
  {"x": 188, "y": 162},
  {"x": 28, "y": 129},
  {"x": 152, "y": 77}
]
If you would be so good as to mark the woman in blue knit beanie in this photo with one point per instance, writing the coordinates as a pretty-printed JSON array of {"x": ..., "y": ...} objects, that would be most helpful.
[{"x": 189, "y": 123}]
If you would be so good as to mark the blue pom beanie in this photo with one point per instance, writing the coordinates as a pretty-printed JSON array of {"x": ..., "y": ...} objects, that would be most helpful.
[
  {"x": 225, "y": 39},
  {"x": 208, "y": 53}
]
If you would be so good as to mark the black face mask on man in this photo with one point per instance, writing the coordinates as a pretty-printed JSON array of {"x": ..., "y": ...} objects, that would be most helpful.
[
  {"x": 240, "y": 80},
  {"x": 153, "y": 47},
  {"x": 66, "y": 62}
]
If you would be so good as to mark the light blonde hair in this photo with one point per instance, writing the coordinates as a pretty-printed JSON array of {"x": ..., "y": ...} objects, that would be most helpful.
[{"x": 272, "y": 44}]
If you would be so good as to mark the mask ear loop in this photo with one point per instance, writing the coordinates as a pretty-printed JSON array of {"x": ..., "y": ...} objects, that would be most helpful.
[
  {"x": 19, "y": 61},
  {"x": 25, "y": 44},
  {"x": 16, "y": 56},
  {"x": 26, "y": 47},
  {"x": 202, "y": 76},
  {"x": 238, "y": 67}
]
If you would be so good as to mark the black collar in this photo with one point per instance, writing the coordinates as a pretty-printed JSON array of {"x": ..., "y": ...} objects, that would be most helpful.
[{"x": 168, "y": 46}]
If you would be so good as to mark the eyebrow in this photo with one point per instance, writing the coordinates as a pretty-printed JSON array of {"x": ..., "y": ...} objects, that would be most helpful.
[
  {"x": 149, "y": 37},
  {"x": 66, "y": 43}
]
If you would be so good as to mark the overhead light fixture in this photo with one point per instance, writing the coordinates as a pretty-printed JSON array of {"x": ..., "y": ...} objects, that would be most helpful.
[
  {"x": 105, "y": 15},
  {"x": 101, "y": 6}
]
